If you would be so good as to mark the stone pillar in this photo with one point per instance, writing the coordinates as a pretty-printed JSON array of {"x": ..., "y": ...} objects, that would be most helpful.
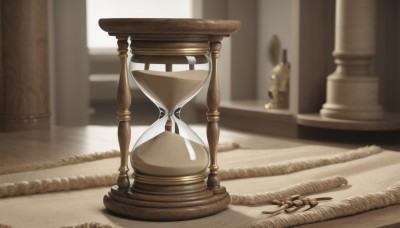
[
  {"x": 352, "y": 90},
  {"x": 25, "y": 78}
]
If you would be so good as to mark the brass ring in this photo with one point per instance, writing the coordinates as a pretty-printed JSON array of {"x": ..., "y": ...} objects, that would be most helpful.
[
  {"x": 170, "y": 51},
  {"x": 145, "y": 179}
]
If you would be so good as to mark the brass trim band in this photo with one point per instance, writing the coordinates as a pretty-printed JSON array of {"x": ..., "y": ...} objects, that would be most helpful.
[
  {"x": 170, "y": 51},
  {"x": 145, "y": 179}
]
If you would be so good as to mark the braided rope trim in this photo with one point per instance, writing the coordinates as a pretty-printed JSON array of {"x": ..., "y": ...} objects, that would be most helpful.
[
  {"x": 62, "y": 162},
  {"x": 222, "y": 147},
  {"x": 90, "y": 225},
  {"x": 228, "y": 146},
  {"x": 56, "y": 185},
  {"x": 5, "y": 226},
  {"x": 286, "y": 167},
  {"x": 304, "y": 188},
  {"x": 349, "y": 206}
]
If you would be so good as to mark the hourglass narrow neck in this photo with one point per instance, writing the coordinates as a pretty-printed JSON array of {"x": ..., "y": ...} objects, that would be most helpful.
[
  {"x": 175, "y": 112},
  {"x": 172, "y": 117}
]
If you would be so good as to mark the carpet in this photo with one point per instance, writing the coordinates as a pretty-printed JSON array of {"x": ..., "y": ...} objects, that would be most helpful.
[{"x": 368, "y": 175}]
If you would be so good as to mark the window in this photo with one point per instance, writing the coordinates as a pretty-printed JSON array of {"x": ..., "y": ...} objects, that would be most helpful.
[
  {"x": 104, "y": 65},
  {"x": 96, "y": 9}
]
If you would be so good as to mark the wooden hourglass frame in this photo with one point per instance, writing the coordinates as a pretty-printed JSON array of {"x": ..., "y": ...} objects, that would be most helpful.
[{"x": 175, "y": 198}]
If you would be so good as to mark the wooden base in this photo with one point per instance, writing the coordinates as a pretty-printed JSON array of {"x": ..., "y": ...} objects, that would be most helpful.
[{"x": 166, "y": 203}]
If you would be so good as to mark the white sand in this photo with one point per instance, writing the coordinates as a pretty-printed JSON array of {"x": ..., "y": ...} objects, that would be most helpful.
[
  {"x": 170, "y": 88},
  {"x": 169, "y": 154}
]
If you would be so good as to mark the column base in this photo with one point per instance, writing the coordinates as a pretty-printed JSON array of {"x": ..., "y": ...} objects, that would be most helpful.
[
  {"x": 352, "y": 98},
  {"x": 351, "y": 115},
  {"x": 13, "y": 122}
]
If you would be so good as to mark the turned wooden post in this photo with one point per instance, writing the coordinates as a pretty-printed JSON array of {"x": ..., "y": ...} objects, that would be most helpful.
[
  {"x": 24, "y": 80},
  {"x": 213, "y": 102},
  {"x": 124, "y": 115}
]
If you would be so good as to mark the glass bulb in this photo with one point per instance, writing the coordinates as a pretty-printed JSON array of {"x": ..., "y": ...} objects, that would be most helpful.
[{"x": 169, "y": 147}]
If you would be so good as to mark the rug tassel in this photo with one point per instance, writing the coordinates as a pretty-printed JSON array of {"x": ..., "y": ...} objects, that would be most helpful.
[
  {"x": 56, "y": 185},
  {"x": 62, "y": 162},
  {"x": 90, "y": 225}
]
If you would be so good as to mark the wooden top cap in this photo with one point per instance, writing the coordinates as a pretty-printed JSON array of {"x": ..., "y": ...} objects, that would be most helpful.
[{"x": 143, "y": 26}]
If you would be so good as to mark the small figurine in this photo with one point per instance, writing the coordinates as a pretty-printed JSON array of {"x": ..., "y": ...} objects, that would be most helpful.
[{"x": 279, "y": 91}]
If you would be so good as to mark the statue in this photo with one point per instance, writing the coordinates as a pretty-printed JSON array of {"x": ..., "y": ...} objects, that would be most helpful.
[{"x": 279, "y": 91}]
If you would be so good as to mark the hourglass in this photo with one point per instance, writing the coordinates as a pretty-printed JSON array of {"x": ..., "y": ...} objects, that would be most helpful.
[{"x": 175, "y": 173}]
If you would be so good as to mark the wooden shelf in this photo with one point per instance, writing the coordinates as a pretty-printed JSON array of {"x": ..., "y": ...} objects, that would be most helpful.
[
  {"x": 250, "y": 115},
  {"x": 389, "y": 123},
  {"x": 255, "y": 109}
]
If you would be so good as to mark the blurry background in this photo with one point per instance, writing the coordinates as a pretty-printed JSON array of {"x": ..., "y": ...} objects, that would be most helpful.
[
  {"x": 84, "y": 66},
  {"x": 104, "y": 64}
]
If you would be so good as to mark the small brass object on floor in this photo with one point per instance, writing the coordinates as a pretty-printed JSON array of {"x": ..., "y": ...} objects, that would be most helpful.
[{"x": 294, "y": 203}]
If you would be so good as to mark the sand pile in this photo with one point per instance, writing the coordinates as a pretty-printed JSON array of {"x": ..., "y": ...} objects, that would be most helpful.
[{"x": 169, "y": 154}]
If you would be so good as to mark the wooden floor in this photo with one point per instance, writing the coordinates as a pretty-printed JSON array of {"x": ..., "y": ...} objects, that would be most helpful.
[{"x": 58, "y": 142}]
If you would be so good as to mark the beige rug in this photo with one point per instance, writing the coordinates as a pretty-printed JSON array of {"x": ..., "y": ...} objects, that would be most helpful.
[
  {"x": 366, "y": 175},
  {"x": 33, "y": 185}
]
